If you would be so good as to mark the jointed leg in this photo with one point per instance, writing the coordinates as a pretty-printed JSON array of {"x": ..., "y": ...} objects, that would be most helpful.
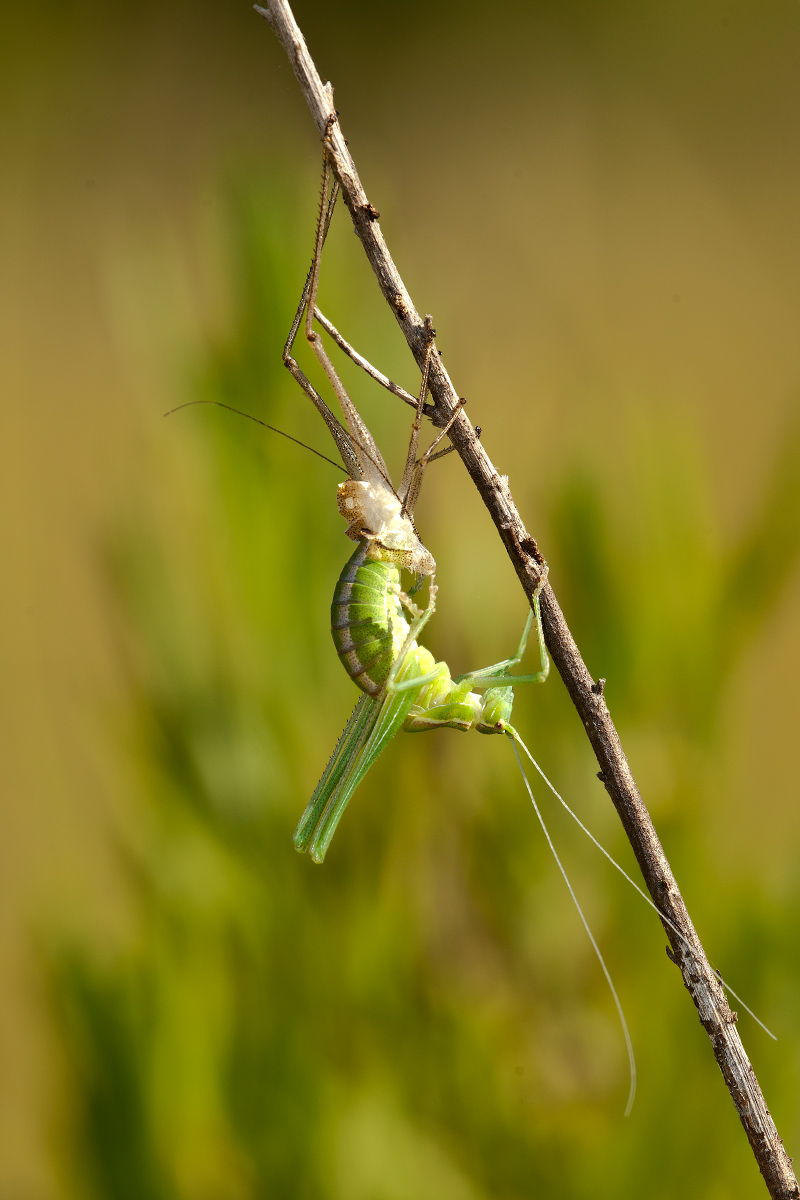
[
  {"x": 327, "y": 205},
  {"x": 415, "y": 468},
  {"x": 355, "y": 443},
  {"x": 339, "y": 434},
  {"x": 362, "y": 362},
  {"x": 391, "y": 386},
  {"x": 419, "y": 619},
  {"x": 428, "y": 457},
  {"x": 406, "y": 483},
  {"x": 498, "y": 674},
  {"x": 355, "y": 426}
]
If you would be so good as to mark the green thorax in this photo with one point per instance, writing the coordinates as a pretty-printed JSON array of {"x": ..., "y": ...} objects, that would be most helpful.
[{"x": 367, "y": 620}]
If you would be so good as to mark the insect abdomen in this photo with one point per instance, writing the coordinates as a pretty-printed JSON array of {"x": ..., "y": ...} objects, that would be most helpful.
[{"x": 364, "y": 617}]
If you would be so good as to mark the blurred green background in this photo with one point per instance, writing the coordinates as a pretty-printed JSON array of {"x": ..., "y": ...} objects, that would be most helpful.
[{"x": 597, "y": 202}]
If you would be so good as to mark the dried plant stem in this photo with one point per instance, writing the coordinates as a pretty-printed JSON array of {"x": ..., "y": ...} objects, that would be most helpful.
[{"x": 587, "y": 696}]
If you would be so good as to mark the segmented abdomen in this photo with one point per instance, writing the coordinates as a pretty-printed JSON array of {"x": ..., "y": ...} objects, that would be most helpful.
[{"x": 366, "y": 619}]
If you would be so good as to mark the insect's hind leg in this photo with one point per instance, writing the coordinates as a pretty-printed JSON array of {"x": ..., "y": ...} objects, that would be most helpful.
[
  {"x": 357, "y": 432},
  {"x": 356, "y": 437},
  {"x": 328, "y": 193},
  {"x": 329, "y": 190}
]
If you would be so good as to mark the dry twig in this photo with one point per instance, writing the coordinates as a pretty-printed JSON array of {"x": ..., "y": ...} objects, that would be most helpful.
[{"x": 587, "y": 696}]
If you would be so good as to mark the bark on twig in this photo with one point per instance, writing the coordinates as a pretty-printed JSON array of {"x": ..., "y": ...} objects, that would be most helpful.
[{"x": 699, "y": 978}]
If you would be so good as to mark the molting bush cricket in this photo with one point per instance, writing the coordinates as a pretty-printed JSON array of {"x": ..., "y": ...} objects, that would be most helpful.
[{"x": 376, "y": 625}]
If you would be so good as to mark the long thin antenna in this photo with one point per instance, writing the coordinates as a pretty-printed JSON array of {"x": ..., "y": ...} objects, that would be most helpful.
[
  {"x": 635, "y": 885},
  {"x": 258, "y": 421},
  {"x": 596, "y": 948}
]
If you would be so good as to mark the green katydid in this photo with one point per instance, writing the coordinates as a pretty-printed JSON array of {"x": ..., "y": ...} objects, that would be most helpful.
[{"x": 403, "y": 687}]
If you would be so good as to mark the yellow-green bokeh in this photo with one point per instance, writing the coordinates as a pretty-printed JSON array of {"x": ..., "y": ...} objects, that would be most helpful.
[{"x": 597, "y": 203}]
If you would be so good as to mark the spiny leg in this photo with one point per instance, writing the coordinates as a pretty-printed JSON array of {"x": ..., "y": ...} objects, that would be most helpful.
[
  {"x": 324, "y": 218},
  {"x": 356, "y": 437},
  {"x": 338, "y": 433},
  {"x": 355, "y": 443},
  {"x": 358, "y": 431}
]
